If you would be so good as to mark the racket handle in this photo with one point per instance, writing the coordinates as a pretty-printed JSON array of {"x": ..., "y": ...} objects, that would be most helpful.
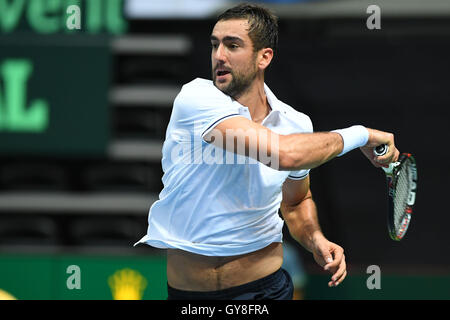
[{"x": 381, "y": 150}]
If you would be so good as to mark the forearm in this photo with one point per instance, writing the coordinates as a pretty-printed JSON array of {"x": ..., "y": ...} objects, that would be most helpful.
[
  {"x": 285, "y": 152},
  {"x": 300, "y": 214},
  {"x": 308, "y": 150},
  {"x": 303, "y": 223}
]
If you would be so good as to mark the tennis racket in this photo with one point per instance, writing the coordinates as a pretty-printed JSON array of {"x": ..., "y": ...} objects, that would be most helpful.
[{"x": 401, "y": 177}]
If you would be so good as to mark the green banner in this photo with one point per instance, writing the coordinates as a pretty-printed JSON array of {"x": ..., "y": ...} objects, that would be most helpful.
[
  {"x": 54, "y": 95},
  {"x": 391, "y": 287},
  {"x": 107, "y": 277},
  {"x": 88, "y": 277},
  {"x": 62, "y": 16}
]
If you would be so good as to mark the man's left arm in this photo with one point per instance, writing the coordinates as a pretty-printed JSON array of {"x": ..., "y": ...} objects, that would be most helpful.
[{"x": 300, "y": 214}]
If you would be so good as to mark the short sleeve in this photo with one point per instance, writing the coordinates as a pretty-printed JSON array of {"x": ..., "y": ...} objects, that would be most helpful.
[
  {"x": 304, "y": 126},
  {"x": 200, "y": 106},
  {"x": 298, "y": 175}
]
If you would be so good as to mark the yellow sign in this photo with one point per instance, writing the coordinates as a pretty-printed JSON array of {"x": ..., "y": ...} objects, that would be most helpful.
[
  {"x": 6, "y": 296},
  {"x": 127, "y": 284}
]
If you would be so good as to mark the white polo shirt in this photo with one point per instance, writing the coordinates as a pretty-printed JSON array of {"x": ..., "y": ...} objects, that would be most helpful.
[{"x": 211, "y": 207}]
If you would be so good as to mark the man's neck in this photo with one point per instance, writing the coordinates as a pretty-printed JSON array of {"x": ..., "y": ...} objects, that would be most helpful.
[{"x": 255, "y": 100}]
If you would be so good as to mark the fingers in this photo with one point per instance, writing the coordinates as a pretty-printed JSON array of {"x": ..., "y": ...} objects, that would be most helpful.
[
  {"x": 388, "y": 158},
  {"x": 397, "y": 155},
  {"x": 331, "y": 257},
  {"x": 377, "y": 138},
  {"x": 391, "y": 156},
  {"x": 338, "y": 281},
  {"x": 334, "y": 263},
  {"x": 339, "y": 275},
  {"x": 337, "y": 267}
]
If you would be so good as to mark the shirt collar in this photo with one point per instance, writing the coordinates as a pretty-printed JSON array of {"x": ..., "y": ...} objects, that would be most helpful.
[
  {"x": 274, "y": 103},
  {"x": 274, "y": 116},
  {"x": 272, "y": 99}
]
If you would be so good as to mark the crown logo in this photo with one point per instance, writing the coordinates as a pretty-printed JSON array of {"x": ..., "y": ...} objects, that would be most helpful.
[
  {"x": 127, "y": 284},
  {"x": 6, "y": 295}
]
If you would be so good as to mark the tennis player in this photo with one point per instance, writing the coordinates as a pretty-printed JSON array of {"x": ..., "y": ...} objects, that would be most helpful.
[{"x": 234, "y": 155}]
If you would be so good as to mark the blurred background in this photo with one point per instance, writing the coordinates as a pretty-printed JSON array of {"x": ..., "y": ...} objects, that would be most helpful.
[{"x": 83, "y": 114}]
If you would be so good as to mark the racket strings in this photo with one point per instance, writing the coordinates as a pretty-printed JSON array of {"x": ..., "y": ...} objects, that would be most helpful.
[{"x": 401, "y": 197}]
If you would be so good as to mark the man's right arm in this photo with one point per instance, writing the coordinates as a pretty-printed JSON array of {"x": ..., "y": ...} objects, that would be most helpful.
[{"x": 294, "y": 151}]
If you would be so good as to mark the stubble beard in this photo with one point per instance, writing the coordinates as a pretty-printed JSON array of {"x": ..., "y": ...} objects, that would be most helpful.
[{"x": 239, "y": 84}]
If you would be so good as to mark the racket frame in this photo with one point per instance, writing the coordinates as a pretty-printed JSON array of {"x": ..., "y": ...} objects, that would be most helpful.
[{"x": 392, "y": 173}]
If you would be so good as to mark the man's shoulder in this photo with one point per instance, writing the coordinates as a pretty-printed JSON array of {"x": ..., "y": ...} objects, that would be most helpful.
[
  {"x": 198, "y": 83},
  {"x": 198, "y": 96},
  {"x": 201, "y": 88}
]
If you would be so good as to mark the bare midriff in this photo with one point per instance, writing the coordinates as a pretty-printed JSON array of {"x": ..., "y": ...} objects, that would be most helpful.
[{"x": 193, "y": 272}]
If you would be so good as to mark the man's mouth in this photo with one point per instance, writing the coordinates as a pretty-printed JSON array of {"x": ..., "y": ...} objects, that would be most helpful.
[
  {"x": 221, "y": 71},
  {"x": 221, "y": 74}
]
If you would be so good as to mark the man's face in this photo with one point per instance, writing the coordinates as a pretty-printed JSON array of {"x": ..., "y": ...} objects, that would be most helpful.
[{"x": 234, "y": 65}]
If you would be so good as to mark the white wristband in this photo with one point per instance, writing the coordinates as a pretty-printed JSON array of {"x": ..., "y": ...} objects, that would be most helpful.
[{"x": 354, "y": 137}]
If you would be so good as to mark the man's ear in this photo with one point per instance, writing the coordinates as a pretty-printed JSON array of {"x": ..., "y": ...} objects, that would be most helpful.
[{"x": 265, "y": 56}]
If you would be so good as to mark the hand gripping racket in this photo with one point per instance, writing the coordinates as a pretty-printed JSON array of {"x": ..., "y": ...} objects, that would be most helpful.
[{"x": 401, "y": 179}]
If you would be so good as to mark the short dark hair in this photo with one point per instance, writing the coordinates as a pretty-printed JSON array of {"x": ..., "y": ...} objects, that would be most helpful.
[{"x": 263, "y": 29}]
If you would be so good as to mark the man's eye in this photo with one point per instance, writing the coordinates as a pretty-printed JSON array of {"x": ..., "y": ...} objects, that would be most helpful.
[
  {"x": 214, "y": 45},
  {"x": 234, "y": 46}
]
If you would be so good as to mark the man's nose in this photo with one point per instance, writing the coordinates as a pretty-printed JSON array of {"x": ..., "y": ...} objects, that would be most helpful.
[{"x": 219, "y": 55}]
